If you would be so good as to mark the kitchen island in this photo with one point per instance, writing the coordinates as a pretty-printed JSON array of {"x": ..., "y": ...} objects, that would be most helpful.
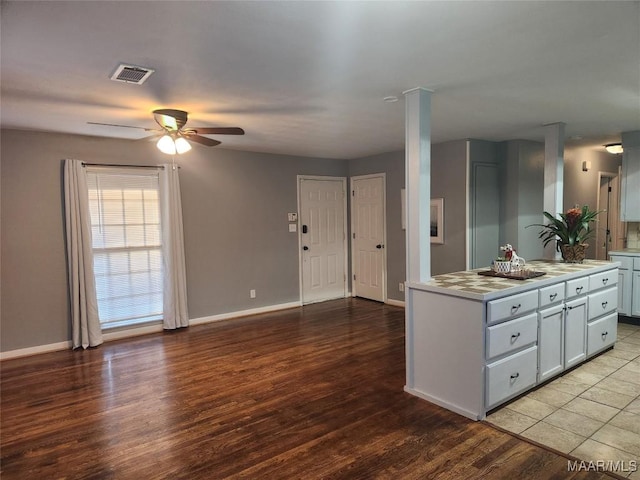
[
  {"x": 474, "y": 342},
  {"x": 628, "y": 281}
]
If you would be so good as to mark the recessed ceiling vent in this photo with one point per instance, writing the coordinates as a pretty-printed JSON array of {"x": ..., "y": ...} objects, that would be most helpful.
[{"x": 131, "y": 74}]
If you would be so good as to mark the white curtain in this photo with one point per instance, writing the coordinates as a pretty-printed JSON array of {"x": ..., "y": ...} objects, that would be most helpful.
[
  {"x": 85, "y": 323},
  {"x": 175, "y": 277}
]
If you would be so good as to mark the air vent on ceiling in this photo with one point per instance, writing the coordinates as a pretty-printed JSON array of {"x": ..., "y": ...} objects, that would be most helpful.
[{"x": 131, "y": 74}]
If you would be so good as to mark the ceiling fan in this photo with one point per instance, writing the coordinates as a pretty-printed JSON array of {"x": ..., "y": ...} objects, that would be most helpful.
[{"x": 175, "y": 137}]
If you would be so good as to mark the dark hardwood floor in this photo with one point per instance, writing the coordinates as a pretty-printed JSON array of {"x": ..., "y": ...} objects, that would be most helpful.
[{"x": 312, "y": 392}]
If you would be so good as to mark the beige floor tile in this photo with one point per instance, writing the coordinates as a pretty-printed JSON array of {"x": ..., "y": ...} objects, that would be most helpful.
[
  {"x": 590, "y": 409},
  {"x": 567, "y": 385},
  {"x": 591, "y": 450},
  {"x": 635, "y": 338},
  {"x": 626, "y": 421},
  {"x": 532, "y": 408},
  {"x": 632, "y": 368},
  {"x": 620, "y": 386},
  {"x": 581, "y": 376},
  {"x": 618, "y": 438},
  {"x": 633, "y": 407},
  {"x": 511, "y": 420},
  {"x": 595, "y": 368},
  {"x": 574, "y": 422},
  {"x": 627, "y": 355},
  {"x": 607, "y": 397},
  {"x": 624, "y": 345},
  {"x": 609, "y": 360},
  {"x": 551, "y": 397},
  {"x": 553, "y": 437},
  {"x": 635, "y": 475},
  {"x": 625, "y": 377}
]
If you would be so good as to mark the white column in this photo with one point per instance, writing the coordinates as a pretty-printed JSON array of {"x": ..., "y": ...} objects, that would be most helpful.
[
  {"x": 418, "y": 183},
  {"x": 553, "y": 177}
]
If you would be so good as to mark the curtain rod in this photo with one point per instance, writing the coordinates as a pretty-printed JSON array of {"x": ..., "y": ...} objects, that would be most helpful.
[{"x": 84, "y": 164}]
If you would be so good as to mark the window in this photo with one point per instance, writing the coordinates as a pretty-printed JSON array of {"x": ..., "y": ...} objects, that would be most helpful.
[{"x": 127, "y": 244}]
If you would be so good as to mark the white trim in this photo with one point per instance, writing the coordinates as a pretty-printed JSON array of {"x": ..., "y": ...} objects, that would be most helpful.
[
  {"x": 144, "y": 330},
  {"x": 26, "y": 352},
  {"x": 441, "y": 403},
  {"x": 467, "y": 213},
  {"x": 243, "y": 313},
  {"x": 394, "y": 303}
]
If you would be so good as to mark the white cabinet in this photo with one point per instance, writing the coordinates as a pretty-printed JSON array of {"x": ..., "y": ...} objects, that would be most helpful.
[
  {"x": 510, "y": 376},
  {"x": 602, "y": 333},
  {"x": 635, "y": 294},
  {"x": 575, "y": 332},
  {"x": 550, "y": 342},
  {"x": 628, "y": 283},
  {"x": 630, "y": 185}
]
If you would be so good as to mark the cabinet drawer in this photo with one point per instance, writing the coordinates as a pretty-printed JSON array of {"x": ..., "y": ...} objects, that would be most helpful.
[
  {"x": 551, "y": 295},
  {"x": 602, "y": 302},
  {"x": 636, "y": 263},
  {"x": 512, "y": 335},
  {"x": 603, "y": 280},
  {"x": 577, "y": 287},
  {"x": 512, "y": 306},
  {"x": 602, "y": 333},
  {"x": 511, "y": 376}
]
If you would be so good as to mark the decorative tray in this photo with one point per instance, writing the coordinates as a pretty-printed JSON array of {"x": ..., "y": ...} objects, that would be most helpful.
[{"x": 521, "y": 275}]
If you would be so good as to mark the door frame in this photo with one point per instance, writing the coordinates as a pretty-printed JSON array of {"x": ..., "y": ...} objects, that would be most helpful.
[
  {"x": 611, "y": 176},
  {"x": 382, "y": 175},
  {"x": 343, "y": 180}
]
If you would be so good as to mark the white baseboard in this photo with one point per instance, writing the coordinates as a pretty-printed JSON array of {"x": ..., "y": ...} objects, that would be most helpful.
[
  {"x": 135, "y": 331},
  {"x": 243, "y": 313},
  {"x": 26, "y": 352},
  {"x": 395, "y": 303}
]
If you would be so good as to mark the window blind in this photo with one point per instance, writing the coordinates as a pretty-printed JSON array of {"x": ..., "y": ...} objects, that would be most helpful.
[{"x": 127, "y": 245}]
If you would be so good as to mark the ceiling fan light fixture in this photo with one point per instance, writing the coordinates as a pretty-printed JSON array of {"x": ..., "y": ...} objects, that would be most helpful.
[
  {"x": 614, "y": 148},
  {"x": 167, "y": 145},
  {"x": 182, "y": 146}
]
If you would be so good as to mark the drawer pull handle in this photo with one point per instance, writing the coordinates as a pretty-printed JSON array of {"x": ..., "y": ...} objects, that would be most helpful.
[
  {"x": 604, "y": 304},
  {"x": 605, "y": 280},
  {"x": 604, "y": 334},
  {"x": 515, "y": 375},
  {"x": 515, "y": 336},
  {"x": 552, "y": 297},
  {"x": 579, "y": 289},
  {"x": 515, "y": 308}
]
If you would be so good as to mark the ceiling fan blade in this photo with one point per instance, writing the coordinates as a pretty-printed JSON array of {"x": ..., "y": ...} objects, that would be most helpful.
[
  {"x": 116, "y": 125},
  {"x": 209, "y": 142},
  {"x": 218, "y": 131}
]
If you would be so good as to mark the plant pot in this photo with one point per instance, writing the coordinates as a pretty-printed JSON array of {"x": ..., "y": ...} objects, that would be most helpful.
[{"x": 573, "y": 253}]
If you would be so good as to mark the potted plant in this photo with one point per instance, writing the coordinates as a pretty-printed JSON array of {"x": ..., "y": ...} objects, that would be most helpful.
[{"x": 569, "y": 231}]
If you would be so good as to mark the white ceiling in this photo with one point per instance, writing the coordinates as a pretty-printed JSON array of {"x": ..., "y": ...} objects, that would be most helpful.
[{"x": 308, "y": 78}]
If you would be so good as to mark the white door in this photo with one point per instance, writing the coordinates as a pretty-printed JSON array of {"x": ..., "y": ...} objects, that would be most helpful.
[
  {"x": 608, "y": 234},
  {"x": 368, "y": 236},
  {"x": 575, "y": 332},
  {"x": 322, "y": 206}
]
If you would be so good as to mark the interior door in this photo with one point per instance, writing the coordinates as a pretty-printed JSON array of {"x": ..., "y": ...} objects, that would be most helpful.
[
  {"x": 368, "y": 234},
  {"x": 322, "y": 206},
  {"x": 608, "y": 236}
]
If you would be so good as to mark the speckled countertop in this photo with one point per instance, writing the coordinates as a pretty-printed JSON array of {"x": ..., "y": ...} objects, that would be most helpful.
[{"x": 469, "y": 284}]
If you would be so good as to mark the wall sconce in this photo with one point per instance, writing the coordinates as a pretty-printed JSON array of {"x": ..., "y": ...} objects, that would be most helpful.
[
  {"x": 613, "y": 148},
  {"x": 586, "y": 166}
]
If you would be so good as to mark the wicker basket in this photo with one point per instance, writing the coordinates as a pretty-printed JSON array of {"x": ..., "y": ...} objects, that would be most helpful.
[{"x": 574, "y": 253}]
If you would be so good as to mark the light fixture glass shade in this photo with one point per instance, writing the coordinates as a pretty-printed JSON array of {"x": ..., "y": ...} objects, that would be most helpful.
[
  {"x": 182, "y": 146},
  {"x": 614, "y": 148},
  {"x": 167, "y": 145}
]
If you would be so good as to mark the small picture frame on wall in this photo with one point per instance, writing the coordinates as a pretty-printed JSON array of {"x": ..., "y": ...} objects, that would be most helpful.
[{"x": 437, "y": 220}]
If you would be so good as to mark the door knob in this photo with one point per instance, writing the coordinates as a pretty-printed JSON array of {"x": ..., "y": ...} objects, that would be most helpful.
[
  {"x": 305, "y": 248},
  {"x": 379, "y": 246}
]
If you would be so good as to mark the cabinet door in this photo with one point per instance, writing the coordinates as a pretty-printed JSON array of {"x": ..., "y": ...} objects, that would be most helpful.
[
  {"x": 575, "y": 332},
  {"x": 624, "y": 292},
  {"x": 630, "y": 193},
  {"x": 550, "y": 342},
  {"x": 635, "y": 295}
]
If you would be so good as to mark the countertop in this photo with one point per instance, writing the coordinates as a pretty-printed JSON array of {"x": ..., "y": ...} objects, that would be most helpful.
[
  {"x": 630, "y": 252},
  {"x": 468, "y": 284}
]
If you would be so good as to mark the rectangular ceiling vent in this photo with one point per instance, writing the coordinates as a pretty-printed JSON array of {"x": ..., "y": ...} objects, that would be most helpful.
[{"x": 131, "y": 74}]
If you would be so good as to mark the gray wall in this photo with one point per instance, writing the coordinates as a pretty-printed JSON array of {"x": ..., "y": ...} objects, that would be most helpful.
[
  {"x": 391, "y": 164},
  {"x": 448, "y": 170},
  {"x": 581, "y": 188},
  {"x": 235, "y": 208},
  {"x": 523, "y": 199}
]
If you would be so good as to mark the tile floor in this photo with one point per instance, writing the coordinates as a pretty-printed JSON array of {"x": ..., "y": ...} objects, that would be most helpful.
[{"x": 592, "y": 412}]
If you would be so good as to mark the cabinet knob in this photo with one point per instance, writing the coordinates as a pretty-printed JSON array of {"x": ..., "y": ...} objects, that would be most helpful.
[
  {"x": 552, "y": 297},
  {"x": 604, "y": 334},
  {"x": 579, "y": 289},
  {"x": 515, "y": 336},
  {"x": 604, "y": 304},
  {"x": 605, "y": 280},
  {"x": 515, "y": 375},
  {"x": 515, "y": 308}
]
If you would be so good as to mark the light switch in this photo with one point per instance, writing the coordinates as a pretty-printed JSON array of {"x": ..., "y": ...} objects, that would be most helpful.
[
  {"x": 293, "y": 217},
  {"x": 293, "y": 227}
]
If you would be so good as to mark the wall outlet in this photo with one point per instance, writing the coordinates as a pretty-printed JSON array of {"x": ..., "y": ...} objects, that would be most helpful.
[
  {"x": 401, "y": 286},
  {"x": 252, "y": 294}
]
